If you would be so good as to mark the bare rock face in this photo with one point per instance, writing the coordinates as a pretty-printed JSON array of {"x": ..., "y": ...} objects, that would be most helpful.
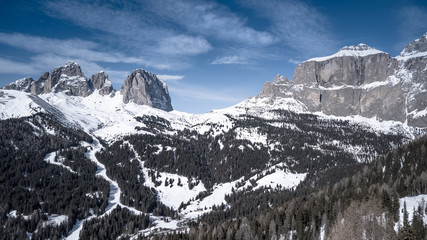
[
  {"x": 68, "y": 79},
  {"x": 413, "y": 61},
  {"x": 355, "y": 81},
  {"x": 140, "y": 87},
  {"x": 354, "y": 65},
  {"x": 101, "y": 83},
  {"x": 145, "y": 88},
  {"x": 23, "y": 84},
  {"x": 360, "y": 80}
]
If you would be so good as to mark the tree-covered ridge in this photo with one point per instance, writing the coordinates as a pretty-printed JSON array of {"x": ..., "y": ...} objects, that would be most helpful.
[
  {"x": 37, "y": 189},
  {"x": 305, "y": 143},
  {"x": 121, "y": 222},
  {"x": 298, "y": 143},
  {"x": 372, "y": 192}
]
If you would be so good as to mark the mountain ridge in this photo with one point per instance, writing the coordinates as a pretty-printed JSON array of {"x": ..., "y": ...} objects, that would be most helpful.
[
  {"x": 69, "y": 79},
  {"x": 370, "y": 85},
  {"x": 173, "y": 168}
]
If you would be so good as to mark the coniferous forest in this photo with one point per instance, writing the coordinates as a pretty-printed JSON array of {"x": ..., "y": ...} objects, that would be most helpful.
[{"x": 339, "y": 186}]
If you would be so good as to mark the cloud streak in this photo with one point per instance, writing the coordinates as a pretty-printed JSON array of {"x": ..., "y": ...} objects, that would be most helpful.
[
  {"x": 177, "y": 28},
  {"x": 230, "y": 60},
  {"x": 296, "y": 25},
  {"x": 67, "y": 47},
  {"x": 184, "y": 45},
  {"x": 170, "y": 78},
  {"x": 210, "y": 19}
]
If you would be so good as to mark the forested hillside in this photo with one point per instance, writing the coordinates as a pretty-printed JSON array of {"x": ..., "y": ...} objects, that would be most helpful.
[
  {"x": 40, "y": 199},
  {"x": 367, "y": 201}
]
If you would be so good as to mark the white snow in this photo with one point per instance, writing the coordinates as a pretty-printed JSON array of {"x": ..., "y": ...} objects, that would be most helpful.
[
  {"x": 360, "y": 50},
  {"x": 390, "y": 81},
  {"x": 418, "y": 114},
  {"x": 50, "y": 158},
  {"x": 253, "y": 135},
  {"x": 411, "y": 204},
  {"x": 407, "y": 56},
  {"x": 217, "y": 197},
  {"x": 322, "y": 232},
  {"x": 173, "y": 195},
  {"x": 280, "y": 178},
  {"x": 55, "y": 220},
  {"x": 373, "y": 123},
  {"x": 12, "y": 214},
  {"x": 16, "y": 104}
]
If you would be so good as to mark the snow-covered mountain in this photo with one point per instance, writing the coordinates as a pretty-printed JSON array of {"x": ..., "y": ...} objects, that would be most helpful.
[
  {"x": 360, "y": 80},
  {"x": 340, "y": 112},
  {"x": 140, "y": 87}
]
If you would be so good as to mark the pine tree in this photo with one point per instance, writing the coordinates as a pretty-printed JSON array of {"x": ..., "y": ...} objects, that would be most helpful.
[{"x": 406, "y": 231}]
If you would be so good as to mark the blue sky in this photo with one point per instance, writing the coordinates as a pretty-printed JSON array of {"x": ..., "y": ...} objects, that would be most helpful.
[{"x": 211, "y": 54}]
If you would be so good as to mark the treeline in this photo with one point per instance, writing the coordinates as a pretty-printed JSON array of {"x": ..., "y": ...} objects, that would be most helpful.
[{"x": 35, "y": 188}]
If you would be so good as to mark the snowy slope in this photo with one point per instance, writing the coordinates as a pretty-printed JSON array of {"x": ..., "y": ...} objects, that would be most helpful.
[{"x": 16, "y": 104}]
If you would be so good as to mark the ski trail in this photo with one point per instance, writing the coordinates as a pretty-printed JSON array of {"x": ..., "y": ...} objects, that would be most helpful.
[{"x": 115, "y": 191}]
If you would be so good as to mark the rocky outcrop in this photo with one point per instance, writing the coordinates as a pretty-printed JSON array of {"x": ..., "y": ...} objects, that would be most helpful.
[
  {"x": 413, "y": 60},
  {"x": 354, "y": 65},
  {"x": 140, "y": 87},
  {"x": 68, "y": 79},
  {"x": 145, "y": 88},
  {"x": 101, "y": 83},
  {"x": 23, "y": 84},
  {"x": 360, "y": 80}
]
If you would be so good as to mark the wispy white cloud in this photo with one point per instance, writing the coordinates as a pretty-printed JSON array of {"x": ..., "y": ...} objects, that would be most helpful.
[
  {"x": 135, "y": 28},
  {"x": 50, "y": 53},
  {"x": 65, "y": 47},
  {"x": 296, "y": 25},
  {"x": 210, "y": 19},
  {"x": 185, "y": 45},
  {"x": 294, "y": 61},
  {"x": 230, "y": 60},
  {"x": 46, "y": 62},
  {"x": 10, "y": 66},
  {"x": 170, "y": 78}
]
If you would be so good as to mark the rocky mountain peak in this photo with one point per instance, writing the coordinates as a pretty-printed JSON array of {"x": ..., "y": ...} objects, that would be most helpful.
[
  {"x": 416, "y": 47},
  {"x": 23, "y": 84},
  {"x": 101, "y": 83},
  {"x": 361, "y": 80},
  {"x": 358, "y": 48},
  {"x": 71, "y": 69},
  {"x": 144, "y": 88},
  {"x": 68, "y": 79},
  {"x": 279, "y": 79}
]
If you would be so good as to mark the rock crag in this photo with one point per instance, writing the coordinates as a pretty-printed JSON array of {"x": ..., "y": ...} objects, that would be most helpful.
[
  {"x": 360, "y": 80},
  {"x": 144, "y": 88}
]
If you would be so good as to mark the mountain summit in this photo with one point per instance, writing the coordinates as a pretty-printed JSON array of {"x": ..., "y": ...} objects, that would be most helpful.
[
  {"x": 361, "y": 80},
  {"x": 140, "y": 87},
  {"x": 144, "y": 88}
]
